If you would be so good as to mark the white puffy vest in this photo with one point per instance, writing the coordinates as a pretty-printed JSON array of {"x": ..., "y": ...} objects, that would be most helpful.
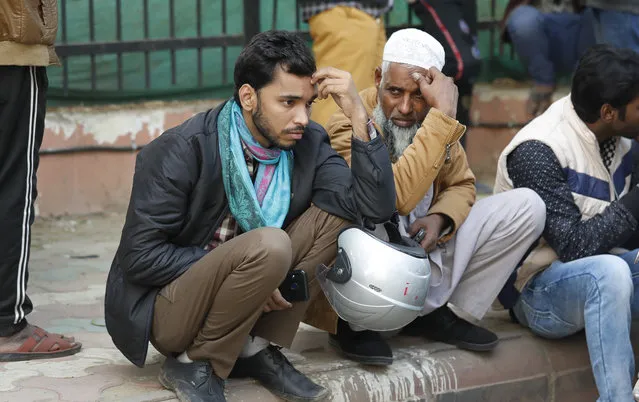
[{"x": 575, "y": 146}]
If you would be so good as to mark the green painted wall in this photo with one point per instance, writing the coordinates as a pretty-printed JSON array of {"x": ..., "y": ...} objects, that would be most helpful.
[{"x": 215, "y": 84}]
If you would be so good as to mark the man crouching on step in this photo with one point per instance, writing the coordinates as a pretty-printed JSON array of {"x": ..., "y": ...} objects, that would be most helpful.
[{"x": 222, "y": 208}]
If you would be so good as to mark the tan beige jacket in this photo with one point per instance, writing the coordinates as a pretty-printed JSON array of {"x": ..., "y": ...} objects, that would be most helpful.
[
  {"x": 435, "y": 157},
  {"x": 27, "y": 32}
]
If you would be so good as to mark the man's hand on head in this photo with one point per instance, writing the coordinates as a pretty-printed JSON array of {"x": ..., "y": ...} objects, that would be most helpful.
[
  {"x": 433, "y": 225},
  {"x": 340, "y": 85},
  {"x": 276, "y": 302},
  {"x": 439, "y": 91}
]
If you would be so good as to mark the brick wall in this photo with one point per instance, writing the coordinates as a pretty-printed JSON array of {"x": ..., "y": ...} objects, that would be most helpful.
[{"x": 97, "y": 181}]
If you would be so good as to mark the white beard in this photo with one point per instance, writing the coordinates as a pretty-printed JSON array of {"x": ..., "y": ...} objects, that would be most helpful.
[{"x": 397, "y": 138}]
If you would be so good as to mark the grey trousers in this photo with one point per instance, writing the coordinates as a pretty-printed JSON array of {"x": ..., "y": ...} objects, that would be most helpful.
[{"x": 470, "y": 269}]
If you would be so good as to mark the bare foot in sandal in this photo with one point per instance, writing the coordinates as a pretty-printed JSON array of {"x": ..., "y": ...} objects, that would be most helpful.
[
  {"x": 35, "y": 343},
  {"x": 540, "y": 99}
]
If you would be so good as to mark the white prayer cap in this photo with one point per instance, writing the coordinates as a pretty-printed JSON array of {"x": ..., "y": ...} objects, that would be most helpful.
[{"x": 415, "y": 47}]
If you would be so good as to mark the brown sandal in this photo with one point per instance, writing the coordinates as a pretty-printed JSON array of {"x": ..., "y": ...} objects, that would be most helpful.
[{"x": 42, "y": 345}]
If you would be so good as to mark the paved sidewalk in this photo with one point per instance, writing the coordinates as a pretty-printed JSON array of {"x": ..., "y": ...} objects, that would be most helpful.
[{"x": 69, "y": 264}]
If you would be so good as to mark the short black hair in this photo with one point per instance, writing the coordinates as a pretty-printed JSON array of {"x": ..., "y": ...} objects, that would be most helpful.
[
  {"x": 605, "y": 74},
  {"x": 267, "y": 51}
]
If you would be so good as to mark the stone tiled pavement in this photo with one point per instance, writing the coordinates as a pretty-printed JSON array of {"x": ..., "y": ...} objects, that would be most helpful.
[{"x": 69, "y": 263}]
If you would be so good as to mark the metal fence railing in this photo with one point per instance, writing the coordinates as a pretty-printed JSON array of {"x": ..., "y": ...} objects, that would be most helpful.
[
  {"x": 114, "y": 50},
  {"x": 145, "y": 45}
]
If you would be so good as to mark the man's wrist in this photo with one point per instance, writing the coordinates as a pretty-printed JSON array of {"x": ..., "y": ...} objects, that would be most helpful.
[
  {"x": 360, "y": 117},
  {"x": 448, "y": 112},
  {"x": 446, "y": 223},
  {"x": 361, "y": 126},
  {"x": 631, "y": 201}
]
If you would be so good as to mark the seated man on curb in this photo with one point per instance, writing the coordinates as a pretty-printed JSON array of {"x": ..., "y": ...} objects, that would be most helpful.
[
  {"x": 473, "y": 249},
  {"x": 581, "y": 158},
  {"x": 222, "y": 207}
]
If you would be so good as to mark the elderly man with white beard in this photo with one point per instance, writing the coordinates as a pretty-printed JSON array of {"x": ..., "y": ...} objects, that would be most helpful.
[{"x": 473, "y": 247}]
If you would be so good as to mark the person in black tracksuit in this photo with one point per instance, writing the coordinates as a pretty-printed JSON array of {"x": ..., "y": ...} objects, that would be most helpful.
[{"x": 26, "y": 49}]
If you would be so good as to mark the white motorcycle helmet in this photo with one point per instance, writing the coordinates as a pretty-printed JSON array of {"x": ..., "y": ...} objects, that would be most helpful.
[{"x": 374, "y": 284}]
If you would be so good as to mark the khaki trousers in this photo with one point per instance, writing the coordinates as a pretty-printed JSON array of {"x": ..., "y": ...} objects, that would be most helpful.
[
  {"x": 212, "y": 308},
  {"x": 351, "y": 40}
]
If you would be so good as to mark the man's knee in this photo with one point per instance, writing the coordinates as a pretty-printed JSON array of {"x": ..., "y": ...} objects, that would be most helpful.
[
  {"x": 273, "y": 248},
  {"x": 522, "y": 210},
  {"x": 525, "y": 21},
  {"x": 534, "y": 207},
  {"x": 610, "y": 275}
]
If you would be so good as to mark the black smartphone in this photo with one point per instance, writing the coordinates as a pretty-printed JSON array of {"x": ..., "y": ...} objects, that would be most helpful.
[{"x": 295, "y": 286}]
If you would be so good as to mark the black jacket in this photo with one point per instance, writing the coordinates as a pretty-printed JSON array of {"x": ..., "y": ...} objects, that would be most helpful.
[{"x": 178, "y": 202}]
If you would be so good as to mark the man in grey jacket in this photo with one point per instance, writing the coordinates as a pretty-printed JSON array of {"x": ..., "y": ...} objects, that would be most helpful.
[{"x": 223, "y": 207}]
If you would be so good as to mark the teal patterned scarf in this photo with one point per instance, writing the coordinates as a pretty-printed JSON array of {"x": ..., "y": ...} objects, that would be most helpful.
[{"x": 265, "y": 202}]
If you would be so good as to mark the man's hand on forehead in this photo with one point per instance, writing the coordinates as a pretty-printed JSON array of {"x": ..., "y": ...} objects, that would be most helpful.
[
  {"x": 438, "y": 90},
  {"x": 339, "y": 84},
  {"x": 420, "y": 71},
  {"x": 331, "y": 81}
]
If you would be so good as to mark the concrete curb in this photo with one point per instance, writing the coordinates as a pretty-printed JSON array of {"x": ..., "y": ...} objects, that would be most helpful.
[{"x": 522, "y": 368}]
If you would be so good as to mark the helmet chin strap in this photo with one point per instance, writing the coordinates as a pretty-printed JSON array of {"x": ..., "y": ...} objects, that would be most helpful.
[{"x": 367, "y": 223}]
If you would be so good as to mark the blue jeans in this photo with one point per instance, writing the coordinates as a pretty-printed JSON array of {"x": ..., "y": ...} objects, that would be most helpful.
[
  {"x": 596, "y": 293},
  {"x": 616, "y": 28},
  {"x": 550, "y": 43}
]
